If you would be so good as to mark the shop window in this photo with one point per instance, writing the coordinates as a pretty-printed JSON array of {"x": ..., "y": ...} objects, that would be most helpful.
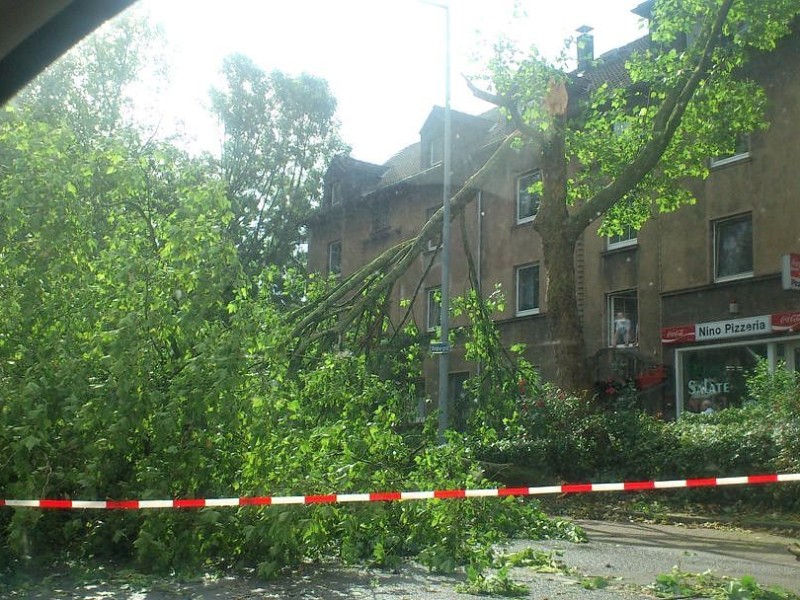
[
  {"x": 733, "y": 248},
  {"x": 741, "y": 152},
  {"x": 335, "y": 258},
  {"x": 716, "y": 378},
  {"x": 528, "y": 196},
  {"x": 435, "y": 242},
  {"x": 623, "y": 313},
  {"x": 434, "y": 314},
  {"x": 626, "y": 238},
  {"x": 527, "y": 290}
]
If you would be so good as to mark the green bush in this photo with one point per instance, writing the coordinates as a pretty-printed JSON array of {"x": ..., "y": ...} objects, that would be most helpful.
[{"x": 562, "y": 438}]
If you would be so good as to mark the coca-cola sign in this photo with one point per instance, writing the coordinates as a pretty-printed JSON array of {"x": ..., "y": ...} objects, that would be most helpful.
[
  {"x": 681, "y": 334},
  {"x": 786, "y": 321}
]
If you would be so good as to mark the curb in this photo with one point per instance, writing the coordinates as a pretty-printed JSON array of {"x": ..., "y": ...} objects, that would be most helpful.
[{"x": 686, "y": 519}]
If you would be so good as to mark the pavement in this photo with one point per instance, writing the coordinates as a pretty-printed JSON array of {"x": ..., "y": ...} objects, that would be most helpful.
[
  {"x": 626, "y": 555},
  {"x": 638, "y": 552}
]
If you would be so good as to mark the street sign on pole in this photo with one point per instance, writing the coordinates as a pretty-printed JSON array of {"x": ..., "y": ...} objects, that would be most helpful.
[{"x": 439, "y": 348}]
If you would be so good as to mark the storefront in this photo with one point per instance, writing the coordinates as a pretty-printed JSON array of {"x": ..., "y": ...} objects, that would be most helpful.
[{"x": 713, "y": 360}]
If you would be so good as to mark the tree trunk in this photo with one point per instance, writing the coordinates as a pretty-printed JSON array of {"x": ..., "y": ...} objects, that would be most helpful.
[
  {"x": 559, "y": 238},
  {"x": 566, "y": 332}
]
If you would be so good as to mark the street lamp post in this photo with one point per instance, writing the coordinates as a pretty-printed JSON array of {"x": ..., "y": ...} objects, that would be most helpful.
[{"x": 444, "y": 356}]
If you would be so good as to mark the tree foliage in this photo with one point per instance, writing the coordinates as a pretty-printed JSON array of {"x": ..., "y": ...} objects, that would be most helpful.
[
  {"x": 96, "y": 89},
  {"x": 143, "y": 354},
  {"x": 280, "y": 132}
]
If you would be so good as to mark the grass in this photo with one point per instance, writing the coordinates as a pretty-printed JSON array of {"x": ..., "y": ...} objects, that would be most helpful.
[{"x": 679, "y": 584}]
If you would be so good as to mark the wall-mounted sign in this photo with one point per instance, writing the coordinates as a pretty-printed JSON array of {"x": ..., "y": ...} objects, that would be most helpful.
[
  {"x": 682, "y": 334},
  {"x": 720, "y": 330},
  {"x": 786, "y": 321},
  {"x": 791, "y": 272}
]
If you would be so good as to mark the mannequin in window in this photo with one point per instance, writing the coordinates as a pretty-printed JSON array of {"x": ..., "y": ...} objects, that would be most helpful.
[{"x": 622, "y": 330}]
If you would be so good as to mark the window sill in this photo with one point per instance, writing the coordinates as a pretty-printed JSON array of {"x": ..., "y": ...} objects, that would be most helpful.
[
  {"x": 525, "y": 223},
  {"x": 527, "y": 313},
  {"x": 738, "y": 277},
  {"x": 729, "y": 160},
  {"x": 620, "y": 248}
]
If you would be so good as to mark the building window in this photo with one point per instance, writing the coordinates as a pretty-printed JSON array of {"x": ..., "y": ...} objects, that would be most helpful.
[
  {"x": 626, "y": 238},
  {"x": 420, "y": 408},
  {"x": 733, "y": 248},
  {"x": 336, "y": 195},
  {"x": 435, "y": 151},
  {"x": 527, "y": 290},
  {"x": 435, "y": 242},
  {"x": 434, "y": 316},
  {"x": 461, "y": 407},
  {"x": 380, "y": 217},
  {"x": 335, "y": 258},
  {"x": 741, "y": 152},
  {"x": 527, "y": 200},
  {"x": 623, "y": 314}
]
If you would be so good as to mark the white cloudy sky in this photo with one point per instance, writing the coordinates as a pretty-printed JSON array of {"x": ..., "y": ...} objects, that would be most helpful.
[{"x": 384, "y": 59}]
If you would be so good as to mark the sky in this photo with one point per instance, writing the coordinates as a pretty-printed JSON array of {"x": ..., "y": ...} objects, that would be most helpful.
[{"x": 383, "y": 59}]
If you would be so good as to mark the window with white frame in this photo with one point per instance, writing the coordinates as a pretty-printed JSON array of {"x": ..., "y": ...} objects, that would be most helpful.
[
  {"x": 434, "y": 313},
  {"x": 741, "y": 152},
  {"x": 435, "y": 242},
  {"x": 623, "y": 319},
  {"x": 335, "y": 258},
  {"x": 435, "y": 151},
  {"x": 527, "y": 290},
  {"x": 733, "y": 248},
  {"x": 528, "y": 196},
  {"x": 626, "y": 238},
  {"x": 336, "y": 196}
]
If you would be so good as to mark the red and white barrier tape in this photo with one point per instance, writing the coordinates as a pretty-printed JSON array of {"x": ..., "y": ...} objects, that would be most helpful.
[{"x": 574, "y": 488}]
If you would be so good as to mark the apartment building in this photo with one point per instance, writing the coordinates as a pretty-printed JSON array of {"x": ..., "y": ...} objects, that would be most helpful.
[{"x": 682, "y": 309}]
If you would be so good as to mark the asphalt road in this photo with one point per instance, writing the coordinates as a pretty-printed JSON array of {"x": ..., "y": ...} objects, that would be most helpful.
[
  {"x": 629, "y": 555},
  {"x": 638, "y": 552}
]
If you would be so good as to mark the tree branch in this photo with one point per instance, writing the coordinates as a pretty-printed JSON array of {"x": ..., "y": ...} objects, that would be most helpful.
[
  {"x": 665, "y": 124},
  {"x": 507, "y": 102},
  {"x": 362, "y": 288}
]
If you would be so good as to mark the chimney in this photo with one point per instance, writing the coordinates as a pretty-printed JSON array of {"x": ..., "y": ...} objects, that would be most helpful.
[{"x": 585, "y": 47}]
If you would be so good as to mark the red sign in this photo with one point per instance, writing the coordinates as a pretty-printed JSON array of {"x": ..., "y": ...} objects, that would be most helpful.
[
  {"x": 786, "y": 321},
  {"x": 790, "y": 272},
  {"x": 681, "y": 334},
  {"x": 651, "y": 377}
]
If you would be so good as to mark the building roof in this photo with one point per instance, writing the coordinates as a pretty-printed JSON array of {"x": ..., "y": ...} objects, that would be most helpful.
[
  {"x": 610, "y": 67},
  {"x": 364, "y": 178},
  {"x": 484, "y": 131}
]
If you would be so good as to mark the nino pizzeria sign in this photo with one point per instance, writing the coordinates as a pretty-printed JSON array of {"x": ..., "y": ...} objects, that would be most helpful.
[
  {"x": 720, "y": 330},
  {"x": 785, "y": 322}
]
